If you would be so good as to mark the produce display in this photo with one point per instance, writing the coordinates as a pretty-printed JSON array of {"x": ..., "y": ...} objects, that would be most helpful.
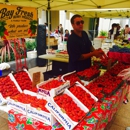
[
  {"x": 103, "y": 62},
  {"x": 62, "y": 54},
  {"x": 73, "y": 100},
  {"x": 23, "y": 80},
  {"x": 96, "y": 90},
  {"x": 105, "y": 84},
  {"x": 7, "y": 87},
  {"x": 83, "y": 96},
  {"x": 32, "y": 100},
  {"x": 117, "y": 48},
  {"x": 33, "y": 89},
  {"x": 89, "y": 74},
  {"x": 73, "y": 77},
  {"x": 119, "y": 53},
  {"x": 69, "y": 107},
  {"x": 117, "y": 68},
  {"x": 51, "y": 84}
]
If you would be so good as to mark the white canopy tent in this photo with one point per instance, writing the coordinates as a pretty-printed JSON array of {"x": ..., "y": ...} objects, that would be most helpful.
[
  {"x": 103, "y": 8},
  {"x": 86, "y": 8}
]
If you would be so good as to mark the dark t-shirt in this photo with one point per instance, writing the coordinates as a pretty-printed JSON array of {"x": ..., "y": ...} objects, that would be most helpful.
[{"x": 76, "y": 46}]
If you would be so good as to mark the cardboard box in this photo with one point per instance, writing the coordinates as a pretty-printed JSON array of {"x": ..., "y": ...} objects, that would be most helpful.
[
  {"x": 53, "y": 92},
  {"x": 87, "y": 91},
  {"x": 62, "y": 77},
  {"x": 17, "y": 106},
  {"x": 52, "y": 41},
  {"x": 30, "y": 111},
  {"x": 4, "y": 100},
  {"x": 61, "y": 116},
  {"x": 40, "y": 115}
]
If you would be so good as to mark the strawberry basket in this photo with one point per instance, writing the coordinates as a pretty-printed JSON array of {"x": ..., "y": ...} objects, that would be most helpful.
[{"x": 89, "y": 74}]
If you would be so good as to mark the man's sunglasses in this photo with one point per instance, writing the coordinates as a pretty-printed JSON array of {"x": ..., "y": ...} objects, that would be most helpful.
[{"x": 78, "y": 22}]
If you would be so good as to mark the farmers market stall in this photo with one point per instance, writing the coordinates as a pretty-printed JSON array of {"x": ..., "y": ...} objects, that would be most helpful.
[
  {"x": 78, "y": 100},
  {"x": 41, "y": 106}
]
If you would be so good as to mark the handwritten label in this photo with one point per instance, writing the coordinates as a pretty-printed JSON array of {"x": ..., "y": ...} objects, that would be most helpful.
[
  {"x": 43, "y": 92},
  {"x": 62, "y": 88}
]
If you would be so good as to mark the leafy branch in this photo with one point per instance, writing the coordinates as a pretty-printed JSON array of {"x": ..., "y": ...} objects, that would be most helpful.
[{"x": 33, "y": 27}]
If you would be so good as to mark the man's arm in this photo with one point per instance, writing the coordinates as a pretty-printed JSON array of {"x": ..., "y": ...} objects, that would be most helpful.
[
  {"x": 92, "y": 48},
  {"x": 93, "y": 52}
]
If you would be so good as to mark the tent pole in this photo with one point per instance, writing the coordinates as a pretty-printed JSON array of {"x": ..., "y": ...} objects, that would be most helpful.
[
  {"x": 95, "y": 21},
  {"x": 64, "y": 26},
  {"x": 48, "y": 9},
  {"x": 48, "y": 29}
]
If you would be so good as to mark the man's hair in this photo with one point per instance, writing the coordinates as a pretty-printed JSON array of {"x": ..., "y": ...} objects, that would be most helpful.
[
  {"x": 46, "y": 24},
  {"x": 73, "y": 17}
]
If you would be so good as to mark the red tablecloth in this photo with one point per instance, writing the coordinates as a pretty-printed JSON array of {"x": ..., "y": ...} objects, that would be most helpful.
[{"x": 96, "y": 119}]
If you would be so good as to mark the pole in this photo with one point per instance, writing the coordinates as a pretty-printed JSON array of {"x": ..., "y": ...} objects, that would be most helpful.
[
  {"x": 48, "y": 9},
  {"x": 64, "y": 25},
  {"x": 95, "y": 22}
]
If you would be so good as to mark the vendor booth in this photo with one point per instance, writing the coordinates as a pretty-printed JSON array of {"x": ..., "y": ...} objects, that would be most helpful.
[{"x": 85, "y": 100}]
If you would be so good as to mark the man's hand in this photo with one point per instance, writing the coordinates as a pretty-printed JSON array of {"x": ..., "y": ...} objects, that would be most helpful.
[{"x": 98, "y": 53}]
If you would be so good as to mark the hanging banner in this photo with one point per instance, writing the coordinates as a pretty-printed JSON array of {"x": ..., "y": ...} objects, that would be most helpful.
[{"x": 17, "y": 21}]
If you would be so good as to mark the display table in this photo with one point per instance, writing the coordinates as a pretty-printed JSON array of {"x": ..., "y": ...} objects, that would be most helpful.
[
  {"x": 59, "y": 65},
  {"x": 96, "y": 119},
  {"x": 53, "y": 58}
]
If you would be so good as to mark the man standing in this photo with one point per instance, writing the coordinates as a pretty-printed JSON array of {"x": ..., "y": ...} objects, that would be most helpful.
[{"x": 79, "y": 47}]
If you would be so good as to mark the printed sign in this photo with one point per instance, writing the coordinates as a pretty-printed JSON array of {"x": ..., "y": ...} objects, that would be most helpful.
[
  {"x": 40, "y": 115},
  {"x": 19, "y": 107},
  {"x": 17, "y": 21}
]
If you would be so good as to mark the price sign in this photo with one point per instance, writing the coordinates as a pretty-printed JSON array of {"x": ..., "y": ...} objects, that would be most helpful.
[{"x": 36, "y": 78}]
